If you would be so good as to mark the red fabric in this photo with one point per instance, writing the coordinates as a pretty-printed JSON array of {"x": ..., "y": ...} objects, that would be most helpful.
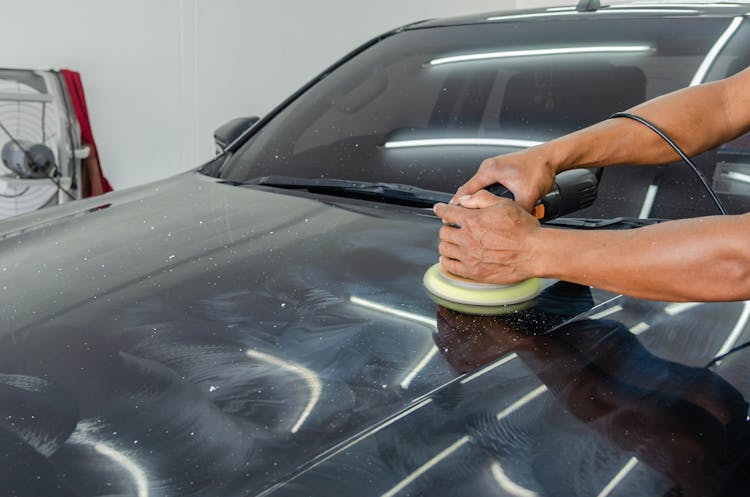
[{"x": 78, "y": 99}]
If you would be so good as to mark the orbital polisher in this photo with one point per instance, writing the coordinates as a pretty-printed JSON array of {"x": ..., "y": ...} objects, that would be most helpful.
[{"x": 573, "y": 190}]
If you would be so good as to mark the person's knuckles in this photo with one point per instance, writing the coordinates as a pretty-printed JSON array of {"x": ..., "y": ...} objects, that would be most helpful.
[
  {"x": 445, "y": 247},
  {"x": 488, "y": 165},
  {"x": 444, "y": 210},
  {"x": 527, "y": 197},
  {"x": 481, "y": 200},
  {"x": 446, "y": 233},
  {"x": 450, "y": 265},
  {"x": 450, "y": 250}
]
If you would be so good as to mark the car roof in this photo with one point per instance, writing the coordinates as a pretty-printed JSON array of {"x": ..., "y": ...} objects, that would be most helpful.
[{"x": 637, "y": 9}]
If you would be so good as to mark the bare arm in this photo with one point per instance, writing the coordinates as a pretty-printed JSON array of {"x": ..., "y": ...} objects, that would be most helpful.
[
  {"x": 696, "y": 118},
  {"x": 702, "y": 259}
]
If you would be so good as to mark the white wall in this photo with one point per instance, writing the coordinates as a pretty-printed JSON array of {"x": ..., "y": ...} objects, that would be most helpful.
[{"x": 160, "y": 75}]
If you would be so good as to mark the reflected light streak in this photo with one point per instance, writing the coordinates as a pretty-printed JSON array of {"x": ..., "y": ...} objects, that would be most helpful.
[
  {"x": 313, "y": 382},
  {"x": 460, "y": 443},
  {"x": 139, "y": 477},
  {"x": 509, "y": 485},
  {"x": 456, "y": 142},
  {"x": 382, "y": 426},
  {"x": 639, "y": 328},
  {"x": 733, "y": 175},
  {"x": 419, "y": 367},
  {"x": 521, "y": 402},
  {"x": 606, "y": 312},
  {"x": 431, "y": 322},
  {"x": 737, "y": 331},
  {"x": 541, "y": 52},
  {"x": 648, "y": 202},
  {"x": 618, "y": 477},
  {"x": 678, "y": 308},
  {"x": 712, "y": 54},
  {"x": 427, "y": 466},
  {"x": 488, "y": 368},
  {"x": 609, "y": 10}
]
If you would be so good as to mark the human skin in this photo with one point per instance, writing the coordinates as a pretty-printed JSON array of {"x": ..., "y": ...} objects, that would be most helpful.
[{"x": 700, "y": 259}]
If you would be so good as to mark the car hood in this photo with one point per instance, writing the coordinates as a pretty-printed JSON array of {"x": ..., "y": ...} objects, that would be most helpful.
[
  {"x": 628, "y": 398},
  {"x": 195, "y": 338}
]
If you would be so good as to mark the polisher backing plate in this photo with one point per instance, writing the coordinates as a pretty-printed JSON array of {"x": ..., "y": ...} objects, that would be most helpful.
[{"x": 453, "y": 289}]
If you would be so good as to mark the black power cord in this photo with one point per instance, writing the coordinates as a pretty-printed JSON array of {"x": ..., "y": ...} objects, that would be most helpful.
[
  {"x": 679, "y": 151},
  {"x": 710, "y": 190},
  {"x": 731, "y": 351},
  {"x": 59, "y": 186}
]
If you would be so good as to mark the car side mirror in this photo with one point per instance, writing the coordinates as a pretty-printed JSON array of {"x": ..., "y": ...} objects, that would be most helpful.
[{"x": 231, "y": 130}]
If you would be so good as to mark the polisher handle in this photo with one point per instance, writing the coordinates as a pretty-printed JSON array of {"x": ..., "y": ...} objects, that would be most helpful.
[{"x": 573, "y": 190}]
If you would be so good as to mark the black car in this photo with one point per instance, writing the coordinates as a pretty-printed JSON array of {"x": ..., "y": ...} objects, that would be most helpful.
[{"x": 258, "y": 326}]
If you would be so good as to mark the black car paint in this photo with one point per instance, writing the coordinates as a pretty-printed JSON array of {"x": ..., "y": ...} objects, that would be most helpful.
[
  {"x": 169, "y": 340},
  {"x": 177, "y": 362},
  {"x": 161, "y": 368},
  {"x": 565, "y": 412},
  {"x": 192, "y": 368}
]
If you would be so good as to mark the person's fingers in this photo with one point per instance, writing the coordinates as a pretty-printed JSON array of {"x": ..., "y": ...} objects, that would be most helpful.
[
  {"x": 450, "y": 214},
  {"x": 450, "y": 250},
  {"x": 481, "y": 179},
  {"x": 480, "y": 200},
  {"x": 450, "y": 234},
  {"x": 526, "y": 200},
  {"x": 452, "y": 265}
]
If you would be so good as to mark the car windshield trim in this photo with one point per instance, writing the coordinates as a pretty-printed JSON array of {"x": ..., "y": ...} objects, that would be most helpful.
[
  {"x": 598, "y": 224},
  {"x": 396, "y": 193}
]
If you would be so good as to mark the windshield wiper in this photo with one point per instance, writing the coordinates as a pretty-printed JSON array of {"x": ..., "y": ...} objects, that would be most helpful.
[
  {"x": 395, "y": 193},
  {"x": 615, "y": 223},
  {"x": 413, "y": 196}
]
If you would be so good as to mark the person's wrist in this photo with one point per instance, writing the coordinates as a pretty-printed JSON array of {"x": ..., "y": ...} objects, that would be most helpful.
[
  {"x": 555, "y": 157},
  {"x": 539, "y": 242}
]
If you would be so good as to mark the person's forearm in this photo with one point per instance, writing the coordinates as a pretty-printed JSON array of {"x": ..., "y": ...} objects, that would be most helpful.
[
  {"x": 702, "y": 259},
  {"x": 696, "y": 118}
]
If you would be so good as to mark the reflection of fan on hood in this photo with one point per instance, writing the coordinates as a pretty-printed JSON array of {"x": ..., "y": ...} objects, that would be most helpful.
[{"x": 37, "y": 137}]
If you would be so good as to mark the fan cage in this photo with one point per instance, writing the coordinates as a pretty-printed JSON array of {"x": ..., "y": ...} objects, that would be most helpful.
[{"x": 34, "y": 106}]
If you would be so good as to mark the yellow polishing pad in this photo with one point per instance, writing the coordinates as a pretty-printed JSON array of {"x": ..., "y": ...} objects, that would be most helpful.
[
  {"x": 457, "y": 290},
  {"x": 482, "y": 310}
]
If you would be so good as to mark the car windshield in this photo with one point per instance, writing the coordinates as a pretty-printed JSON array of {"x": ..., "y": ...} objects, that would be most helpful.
[{"x": 425, "y": 106}]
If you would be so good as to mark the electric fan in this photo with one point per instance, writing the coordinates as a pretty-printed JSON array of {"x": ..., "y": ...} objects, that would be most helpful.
[{"x": 40, "y": 142}]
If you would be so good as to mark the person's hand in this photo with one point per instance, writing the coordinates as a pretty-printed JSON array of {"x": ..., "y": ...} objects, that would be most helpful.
[
  {"x": 492, "y": 242},
  {"x": 524, "y": 173}
]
